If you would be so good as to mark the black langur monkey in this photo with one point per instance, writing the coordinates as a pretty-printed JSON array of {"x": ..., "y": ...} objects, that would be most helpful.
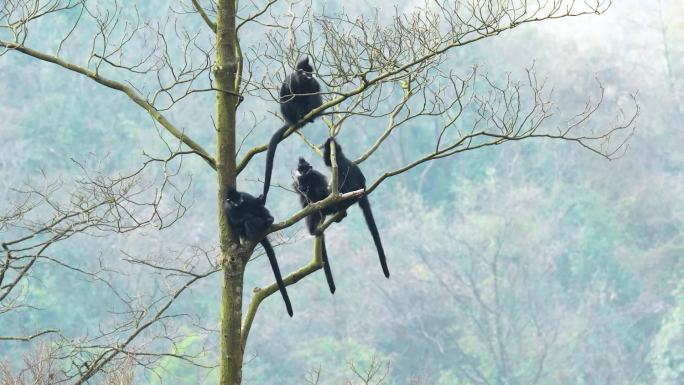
[
  {"x": 250, "y": 219},
  {"x": 312, "y": 186},
  {"x": 350, "y": 178},
  {"x": 299, "y": 95}
]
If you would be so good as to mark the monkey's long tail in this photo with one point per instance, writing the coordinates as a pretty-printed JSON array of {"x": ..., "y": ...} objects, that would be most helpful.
[
  {"x": 270, "y": 155},
  {"x": 276, "y": 272},
  {"x": 326, "y": 265},
  {"x": 368, "y": 214}
]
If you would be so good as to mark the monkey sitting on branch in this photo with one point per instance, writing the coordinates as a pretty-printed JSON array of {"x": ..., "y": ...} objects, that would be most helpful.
[{"x": 249, "y": 219}]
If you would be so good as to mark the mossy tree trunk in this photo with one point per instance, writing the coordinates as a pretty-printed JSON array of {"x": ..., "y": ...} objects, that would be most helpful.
[{"x": 226, "y": 69}]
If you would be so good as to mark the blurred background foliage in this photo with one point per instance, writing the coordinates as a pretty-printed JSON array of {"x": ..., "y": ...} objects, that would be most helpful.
[{"x": 529, "y": 263}]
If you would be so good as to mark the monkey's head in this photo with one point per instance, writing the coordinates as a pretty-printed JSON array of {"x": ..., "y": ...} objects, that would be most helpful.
[
  {"x": 327, "y": 154},
  {"x": 304, "y": 66},
  {"x": 233, "y": 197},
  {"x": 303, "y": 167}
]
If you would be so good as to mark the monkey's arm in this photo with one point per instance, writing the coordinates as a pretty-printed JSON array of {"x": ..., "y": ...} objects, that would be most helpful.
[
  {"x": 340, "y": 216},
  {"x": 368, "y": 214},
  {"x": 276, "y": 272}
]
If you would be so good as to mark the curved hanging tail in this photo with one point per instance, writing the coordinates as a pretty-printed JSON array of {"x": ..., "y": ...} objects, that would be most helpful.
[
  {"x": 276, "y": 272},
  {"x": 270, "y": 155},
  {"x": 370, "y": 222},
  {"x": 326, "y": 266}
]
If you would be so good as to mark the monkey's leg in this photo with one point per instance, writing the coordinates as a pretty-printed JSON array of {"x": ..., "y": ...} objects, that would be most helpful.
[
  {"x": 310, "y": 105},
  {"x": 312, "y": 221},
  {"x": 326, "y": 263},
  {"x": 276, "y": 272},
  {"x": 368, "y": 214},
  {"x": 254, "y": 228}
]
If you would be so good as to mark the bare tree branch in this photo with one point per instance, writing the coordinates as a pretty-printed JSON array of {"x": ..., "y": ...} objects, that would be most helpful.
[
  {"x": 204, "y": 15},
  {"x": 28, "y": 338},
  {"x": 260, "y": 294},
  {"x": 154, "y": 113}
]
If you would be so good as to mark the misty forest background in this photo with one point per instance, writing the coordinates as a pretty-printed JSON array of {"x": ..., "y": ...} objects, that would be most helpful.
[{"x": 535, "y": 262}]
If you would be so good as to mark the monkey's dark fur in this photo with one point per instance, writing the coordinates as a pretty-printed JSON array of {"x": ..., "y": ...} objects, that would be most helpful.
[
  {"x": 312, "y": 186},
  {"x": 350, "y": 178},
  {"x": 249, "y": 219},
  {"x": 299, "y": 95}
]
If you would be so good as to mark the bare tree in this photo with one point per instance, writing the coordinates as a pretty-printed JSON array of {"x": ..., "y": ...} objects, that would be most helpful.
[{"x": 392, "y": 70}]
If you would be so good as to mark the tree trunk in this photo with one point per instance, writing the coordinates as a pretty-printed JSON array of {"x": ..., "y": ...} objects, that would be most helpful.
[
  {"x": 231, "y": 318},
  {"x": 232, "y": 263}
]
